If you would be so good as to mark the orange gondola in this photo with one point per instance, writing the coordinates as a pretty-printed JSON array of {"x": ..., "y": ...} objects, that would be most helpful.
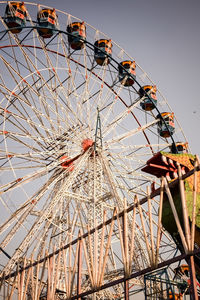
[
  {"x": 77, "y": 35},
  {"x": 125, "y": 69},
  {"x": 148, "y": 103},
  {"x": 47, "y": 21},
  {"x": 15, "y": 16},
  {"x": 166, "y": 126},
  {"x": 175, "y": 296},
  {"x": 102, "y": 49}
]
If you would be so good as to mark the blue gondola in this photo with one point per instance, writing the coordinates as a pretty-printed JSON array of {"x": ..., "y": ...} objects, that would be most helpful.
[
  {"x": 124, "y": 76},
  {"x": 148, "y": 104},
  {"x": 47, "y": 19},
  {"x": 15, "y": 16},
  {"x": 77, "y": 35},
  {"x": 166, "y": 127},
  {"x": 102, "y": 49}
]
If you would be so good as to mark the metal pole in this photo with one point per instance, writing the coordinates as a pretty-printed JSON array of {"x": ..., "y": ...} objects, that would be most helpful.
[{"x": 193, "y": 282}]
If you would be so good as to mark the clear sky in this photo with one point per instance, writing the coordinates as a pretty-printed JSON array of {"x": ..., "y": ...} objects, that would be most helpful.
[{"x": 163, "y": 37}]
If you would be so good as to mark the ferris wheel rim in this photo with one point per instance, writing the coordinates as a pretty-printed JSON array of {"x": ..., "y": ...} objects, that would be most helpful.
[{"x": 86, "y": 42}]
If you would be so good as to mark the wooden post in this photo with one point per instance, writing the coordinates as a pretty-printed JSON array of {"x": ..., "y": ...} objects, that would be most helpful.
[
  {"x": 176, "y": 218},
  {"x": 74, "y": 270},
  {"x": 79, "y": 268},
  {"x": 125, "y": 238},
  {"x": 95, "y": 253},
  {"x": 91, "y": 255},
  {"x": 184, "y": 207},
  {"x": 159, "y": 221},
  {"x": 193, "y": 282},
  {"x": 87, "y": 261},
  {"x": 144, "y": 232},
  {"x": 26, "y": 285},
  {"x": 65, "y": 272},
  {"x": 194, "y": 205},
  {"x": 151, "y": 226},
  {"x": 101, "y": 246},
  {"x": 126, "y": 261},
  {"x": 126, "y": 289},
  {"x": 56, "y": 274},
  {"x": 107, "y": 247},
  {"x": 132, "y": 237}
]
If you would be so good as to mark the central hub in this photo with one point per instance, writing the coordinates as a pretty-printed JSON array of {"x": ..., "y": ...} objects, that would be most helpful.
[{"x": 86, "y": 144}]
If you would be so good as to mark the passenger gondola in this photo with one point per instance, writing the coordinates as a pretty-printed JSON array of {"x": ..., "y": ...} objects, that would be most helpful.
[
  {"x": 102, "y": 51},
  {"x": 149, "y": 102},
  {"x": 127, "y": 72},
  {"x": 47, "y": 21},
  {"x": 77, "y": 35},
  {"x": 15, "y": 16},
  {"x": 166, "y": 126}
]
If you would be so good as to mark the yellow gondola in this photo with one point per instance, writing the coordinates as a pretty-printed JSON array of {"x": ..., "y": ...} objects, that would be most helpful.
[
  {"x": 15, "y": 16},
  {"x": 47, "y": 21},
  {"x": 124, "y": 76},
  {"x": 77, "y": 35},
  {"x": 102, "y": 49}
]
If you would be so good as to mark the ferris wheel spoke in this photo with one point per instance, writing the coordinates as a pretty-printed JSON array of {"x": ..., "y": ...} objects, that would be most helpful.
[
  {"x": 131, "y": 149},
  {"x": 13, "y": 216},
  {"x": 25, "y": 159},
  {"x": 110, "y": 108},
  {"x": 132, "y": 132},
  {"x": 32, "y": 124},
  {"x": 120, "y": 118},
  {"x": 45, "y": 82},
  {"x": 15, "y": 121},
  {"x": 133, "y": 183},
  {"x": 42, "y": 234},
  {"x": 26, "y": 209},
  {"x": 21, "y": 181},
  {"x": 16, "y": 135},
  {"x": 47, "y": 169},
  {"x": 34, "y": 149},
  {"x": 28, "y": 104},
  {"x": 100, "y": 94}
]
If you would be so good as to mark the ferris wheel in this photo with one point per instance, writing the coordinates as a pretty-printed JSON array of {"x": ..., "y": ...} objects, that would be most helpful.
[{"x": 79, "y": 120}]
